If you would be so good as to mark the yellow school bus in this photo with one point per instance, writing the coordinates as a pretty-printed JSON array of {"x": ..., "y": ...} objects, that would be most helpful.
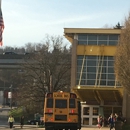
[{"x": 62, "y": 110}]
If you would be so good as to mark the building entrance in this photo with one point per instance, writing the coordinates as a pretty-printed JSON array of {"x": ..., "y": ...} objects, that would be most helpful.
[{"x": 89, "y": 113}]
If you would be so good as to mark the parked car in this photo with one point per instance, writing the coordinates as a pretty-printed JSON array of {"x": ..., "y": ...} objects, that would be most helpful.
[{"x": 33, "y": 122}]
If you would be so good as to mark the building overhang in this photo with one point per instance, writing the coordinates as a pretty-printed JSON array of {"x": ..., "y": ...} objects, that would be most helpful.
[
  {"x": 99, "y": 95},
  {"x": 70, "y": 32}
]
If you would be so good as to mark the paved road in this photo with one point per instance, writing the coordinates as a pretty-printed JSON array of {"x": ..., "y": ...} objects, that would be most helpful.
[{"x": 28, "y": 127}]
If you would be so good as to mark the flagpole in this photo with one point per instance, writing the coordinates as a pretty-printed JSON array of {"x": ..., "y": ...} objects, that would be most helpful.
[{"x": 0, "y": 4}]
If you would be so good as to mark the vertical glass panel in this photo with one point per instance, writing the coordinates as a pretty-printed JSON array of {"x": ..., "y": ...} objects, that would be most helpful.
[
  {"x": 113, "y": 37},
  {"x": 91, "y": 76},
  {"x": 91, "y": 69},
  {"x": 82, "y": 42},
  {"x": 95, "y": 110},
  {"x": 110, "y": 58},
  {"x": 111, "y": 76},
  {"x": 92, "y": 37},
  {"x": 92, "y": 42},
  {"x": 83, "y": 82},
  {"x": 102, "y": 37},
  {"x": 111, "y": 83},
  {"x": 79, "y": 69},
  {"x": 85, "y": 121},
  {"x": 80, "y": 57},
  {"x": 94, "y": 121},
  {"x": 112, "y": 42},
  {"x": 104, "y": 69},
  {"x": 86, "y": 110},
  {"x": 103, "y": 76},
  {"x": 91, "y": 63},
  {"x": 110, "y": 63},
  {"x": 91, "y": 57},
  {"x": 83, "y": 76},
  {"x": 103, "y": 82},
  {"x": 80, "y": 63},
  {"x": 110, "y": 69},
  {"x": 78, "y": 75},
  {"x": 82, "y": 37},
  {"x": 102, "y": 42},
  {"x": 90, "y": 82}
]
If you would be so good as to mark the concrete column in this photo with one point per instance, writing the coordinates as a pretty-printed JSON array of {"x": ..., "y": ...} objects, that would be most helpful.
[{"x": 74, "y": 61}]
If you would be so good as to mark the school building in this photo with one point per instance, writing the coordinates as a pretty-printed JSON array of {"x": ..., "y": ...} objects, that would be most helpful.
[{"x": 92, "y": 72}]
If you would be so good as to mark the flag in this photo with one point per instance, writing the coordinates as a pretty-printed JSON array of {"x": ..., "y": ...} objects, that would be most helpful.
[{"x": 1, "y": 27}]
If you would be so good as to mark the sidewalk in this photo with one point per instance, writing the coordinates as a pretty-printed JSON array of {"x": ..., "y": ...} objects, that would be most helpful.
[{"x": 34, "y": 127}]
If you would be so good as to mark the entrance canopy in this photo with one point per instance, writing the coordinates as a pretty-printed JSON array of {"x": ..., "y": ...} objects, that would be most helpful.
[{"x": 100, "y": 95}]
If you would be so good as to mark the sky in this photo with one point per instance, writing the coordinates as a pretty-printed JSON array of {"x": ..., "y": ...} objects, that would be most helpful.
[{"x": 28, "y": 21}]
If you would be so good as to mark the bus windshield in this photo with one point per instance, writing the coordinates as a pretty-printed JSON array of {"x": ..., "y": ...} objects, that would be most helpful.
[{"x": 61, "y": 103}]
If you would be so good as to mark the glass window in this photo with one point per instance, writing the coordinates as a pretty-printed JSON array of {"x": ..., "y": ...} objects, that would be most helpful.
[
  {"x": 91, "y": 63},
  {"x": 90, "y": 82},
  {"x": 85, "y": 121},
  {"x": 72, "y": 103},
  {"x": 111, "y": 76},
  {"x": 92, "y": 37},
  {"x": 61, "y": 103},
  {"x": 83, "y": 82},
  {"x": 91, "y": 69},
  {"x": 110, "y": 70},
  {"x": 79, "y": 57},
  {"x": 86, "y": 110},
  {"x": 95, "y": 110},
  {"x": 110, "y": 63},
  {"x": 112, "y": 42},
  {"x": 83, "y": 76},
  {"x": 50, "y": 103},
  {"x": 82, "y": 42},
  {"x": 110, "y": 58},
  {"x": 79, "y": 62},
  {"x": 113, "y": 37},
  {"x": 104, "y": 69},
  {"x": 102, "y": 37},
  {"x": 91, "y": 76},
  {"x": 94, "y": 121},
  {"x": 92, "y": 57},
  {"x": 103, "y": 82},
  {"x": 103, "y": 76},
  {"x": 102, "y": 42},
  {"x": 79, "y": 69},
  {"x": 82, "y": 37},
  {"x": 92, "y": 42},
  {"x": 111, "y": 83},
  {"x": 104, "y": 63}
]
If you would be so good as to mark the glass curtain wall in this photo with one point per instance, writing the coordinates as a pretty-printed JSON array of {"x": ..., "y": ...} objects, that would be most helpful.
[
  {"x": 93, "y": 39},
  {"x": 95, "y": 73}
]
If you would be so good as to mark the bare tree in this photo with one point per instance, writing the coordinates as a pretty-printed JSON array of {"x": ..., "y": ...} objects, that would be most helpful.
[
  {"x": 122, "y": 66},
  {"x": 122, "y": 58},
  {"x": 46, "y": 70}
]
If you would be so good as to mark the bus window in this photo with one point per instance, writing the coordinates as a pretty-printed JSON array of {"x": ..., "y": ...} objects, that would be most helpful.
[
  {"x": 61, "y": 103},
  {"x": 72, "y": 103},
  {"x": 50, "y": 103}
]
